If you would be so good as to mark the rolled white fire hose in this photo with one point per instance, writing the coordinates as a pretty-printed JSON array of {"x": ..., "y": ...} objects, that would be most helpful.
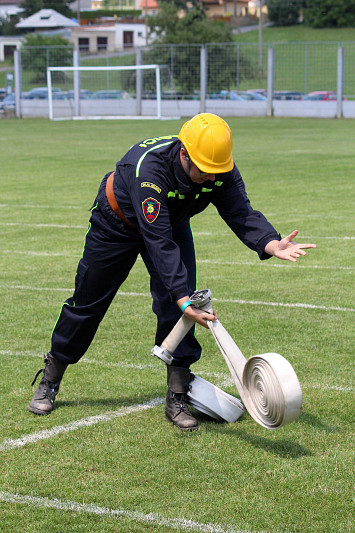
[{"x": 267, "y": 383}]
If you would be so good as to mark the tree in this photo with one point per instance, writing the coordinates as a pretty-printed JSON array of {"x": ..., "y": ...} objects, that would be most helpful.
[
  {"x": 32, "y": 6},
  {"x": 329, "y": 13},
  {"x": 8, "y": 25},
  {"x": 193, "y": 27},
  {"x": 284, "y": 12},
  {"x": 40, "y": 51},
  {"x": 175, "y": 24}
]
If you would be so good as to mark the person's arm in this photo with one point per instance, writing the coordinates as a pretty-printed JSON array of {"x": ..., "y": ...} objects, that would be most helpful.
[
  {"x": 287, "y": 249},
  {"x": 233, "y": 205}
]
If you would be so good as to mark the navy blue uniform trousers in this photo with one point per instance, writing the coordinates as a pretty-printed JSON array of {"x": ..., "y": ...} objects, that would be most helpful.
[{"x": 110, "y": 252}]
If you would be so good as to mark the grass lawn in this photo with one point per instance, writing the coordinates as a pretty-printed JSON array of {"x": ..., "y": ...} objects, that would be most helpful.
[
  {"x": 127, "y": 470},
  {"x": 300, "y": 32}
]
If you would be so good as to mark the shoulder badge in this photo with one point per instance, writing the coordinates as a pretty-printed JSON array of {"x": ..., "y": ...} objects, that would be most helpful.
[
  {"x": 151, "y": 208},
  {"x": 151, "y": 185}
]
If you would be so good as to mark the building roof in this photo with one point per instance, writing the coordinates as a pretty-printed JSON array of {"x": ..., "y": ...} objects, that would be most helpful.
[
  {"x": 149, "y": 4},
  {"x": 10, "y": 3},
  {"x": 222, "y": 2},
  {"x": 46, "y": 18}
]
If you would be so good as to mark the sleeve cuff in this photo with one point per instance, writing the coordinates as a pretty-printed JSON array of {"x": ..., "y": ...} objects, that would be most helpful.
[
  {"x": 263, "y": 242},
  {"x": 178, "y": 293}
]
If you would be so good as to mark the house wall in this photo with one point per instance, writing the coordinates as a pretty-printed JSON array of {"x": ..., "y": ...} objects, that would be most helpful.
[
  {"x": 11, "y": 41},
  {"x": 139, "y": 34},
  {"x": 114, "y": 33},
  {"x": 92, "y": 33}
]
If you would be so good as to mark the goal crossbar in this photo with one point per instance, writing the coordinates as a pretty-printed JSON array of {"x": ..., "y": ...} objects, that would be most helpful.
[{"x": 78, "y": 69}]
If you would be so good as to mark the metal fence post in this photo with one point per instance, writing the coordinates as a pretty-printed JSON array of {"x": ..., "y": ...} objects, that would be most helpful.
[
  {"x": 203, "y": 78},
  {"x": 270, "y": 79},
  {"x": 340, "y": 81},
  {"x": 76, "y": 63},
  {"x": 18, "y": 84},
  {"x": 238, "y": 65},
  {"x": 139, "y": 79},
  {"x": 305, "y": 68}
]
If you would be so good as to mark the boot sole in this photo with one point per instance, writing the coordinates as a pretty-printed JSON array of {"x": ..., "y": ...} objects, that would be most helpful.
[
  {"x": 193, "y": 428},
  {"x": 38, "y": 412}
]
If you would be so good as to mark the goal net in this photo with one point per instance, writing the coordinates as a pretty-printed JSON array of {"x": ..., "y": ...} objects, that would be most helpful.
[{"x": 107, "y": 92}]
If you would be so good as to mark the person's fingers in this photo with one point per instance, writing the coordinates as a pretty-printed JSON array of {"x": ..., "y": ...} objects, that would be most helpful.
[
  {"x": 307, "y": 245},
  {"x": 199, "y": 316},
  {"x": 291, "y": 236}
]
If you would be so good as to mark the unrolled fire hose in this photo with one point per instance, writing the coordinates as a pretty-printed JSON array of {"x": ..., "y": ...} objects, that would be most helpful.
[{"x": 267, "y": 383}]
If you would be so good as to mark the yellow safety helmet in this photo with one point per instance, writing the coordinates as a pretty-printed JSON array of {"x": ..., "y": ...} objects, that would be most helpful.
[{"x": 209, "y": 143}]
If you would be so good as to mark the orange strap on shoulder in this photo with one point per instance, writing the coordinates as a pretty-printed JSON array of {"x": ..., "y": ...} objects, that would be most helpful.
[{"x": 113, "y": 202}]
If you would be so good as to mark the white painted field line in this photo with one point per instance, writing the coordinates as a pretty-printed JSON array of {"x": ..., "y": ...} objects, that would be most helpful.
[
  {"x": 264, "y": 264},
  {"x": 9, "y": 444},
  {"x": 221, "y": 379},
  {"x": 302, "y": 237},
  {"x": 181, "y": 524},
  {"x": 337, "y": 388},
  {"x": 39, "y": 254},
  {"x": 222, "y": 300},
  {"x": 213, "y": 213},
  {"x": 24, "y": 225},
  {"x": 196, "y": 233},
  {"x": 280, "y": 304},
  {"x": 108, "y": 364},
  {"x": 270, "y": 265},
  {"x": 37, "y": 206}
]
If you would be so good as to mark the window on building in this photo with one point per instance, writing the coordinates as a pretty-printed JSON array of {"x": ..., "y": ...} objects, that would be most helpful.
[
  {"x": 83, "y": 44},
  {"x": 101, "y": 43}
]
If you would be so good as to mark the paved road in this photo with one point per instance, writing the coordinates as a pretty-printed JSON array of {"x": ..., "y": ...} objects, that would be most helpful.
[{"x": 245, "y": 29}]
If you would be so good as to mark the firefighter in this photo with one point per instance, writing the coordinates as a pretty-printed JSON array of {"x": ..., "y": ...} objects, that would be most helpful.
[{"x": 144, "y": 208}]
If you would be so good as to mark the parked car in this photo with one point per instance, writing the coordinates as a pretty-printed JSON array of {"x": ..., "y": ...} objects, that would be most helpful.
[
  {"x": 41, "y": 93},
  {"x": 288, "y": 95},
  {"x": 263, "y": 92},
  {"x": 221, "y": 95},
  {"x": 107, "y": 95},
  {"x": 321, "y": 95},
  {"x": 234, "y": 95},
  {"x": 9, "y": 102},
  {"x": 85, "y": 94},
  {"x": 252, "y": 96}
]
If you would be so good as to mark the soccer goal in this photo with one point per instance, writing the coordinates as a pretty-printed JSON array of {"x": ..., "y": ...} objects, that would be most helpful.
[{"x": 105, "y": 92}]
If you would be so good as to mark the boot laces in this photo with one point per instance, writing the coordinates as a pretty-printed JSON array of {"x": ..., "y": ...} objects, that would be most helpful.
[
  {"x": 36, "y": 376},
  {"x": 45, "y": 357},
  {"x": 180, "y": 402}
]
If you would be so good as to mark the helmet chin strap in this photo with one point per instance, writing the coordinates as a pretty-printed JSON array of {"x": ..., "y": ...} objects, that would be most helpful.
[{"x": 188, "y": 166}]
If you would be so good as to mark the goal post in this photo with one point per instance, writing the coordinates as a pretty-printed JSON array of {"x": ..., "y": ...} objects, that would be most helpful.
[{"x": 100, "y": 92}]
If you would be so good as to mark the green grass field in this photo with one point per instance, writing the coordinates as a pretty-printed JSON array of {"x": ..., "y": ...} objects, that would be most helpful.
[{"x": 128, "y": 470}]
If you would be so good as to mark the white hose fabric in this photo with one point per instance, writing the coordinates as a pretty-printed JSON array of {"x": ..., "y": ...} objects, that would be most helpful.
[
  {"x": 267, "y": 383},
  {"x": 273, "y": 390}
]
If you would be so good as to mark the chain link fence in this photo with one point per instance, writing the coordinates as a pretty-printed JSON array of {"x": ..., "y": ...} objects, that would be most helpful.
[{"x": 199, "y": 77}]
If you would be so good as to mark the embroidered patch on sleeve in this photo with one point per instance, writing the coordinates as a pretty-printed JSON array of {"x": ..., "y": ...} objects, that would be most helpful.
[
  {"x": 151, "y": 185},
  {"x": 151, "y": 208}
]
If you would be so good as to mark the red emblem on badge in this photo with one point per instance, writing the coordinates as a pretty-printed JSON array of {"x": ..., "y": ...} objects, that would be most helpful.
[{"x": 151, "y": 208}]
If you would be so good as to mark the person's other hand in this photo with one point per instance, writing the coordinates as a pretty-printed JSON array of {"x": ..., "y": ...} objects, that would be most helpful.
[{"x": 287, "y": 249}]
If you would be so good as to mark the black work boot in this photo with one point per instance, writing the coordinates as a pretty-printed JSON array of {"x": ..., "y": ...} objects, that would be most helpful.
[
  {"x": 176, "y": 410},
  {"x": 43, "y": 399}
]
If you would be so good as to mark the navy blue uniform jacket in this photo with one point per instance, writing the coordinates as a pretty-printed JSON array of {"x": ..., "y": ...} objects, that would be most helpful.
[{"x": 155, "y": 195}]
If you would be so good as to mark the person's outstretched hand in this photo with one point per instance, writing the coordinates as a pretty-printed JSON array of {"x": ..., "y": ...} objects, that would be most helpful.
[{"x": 287, "y": 249}]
